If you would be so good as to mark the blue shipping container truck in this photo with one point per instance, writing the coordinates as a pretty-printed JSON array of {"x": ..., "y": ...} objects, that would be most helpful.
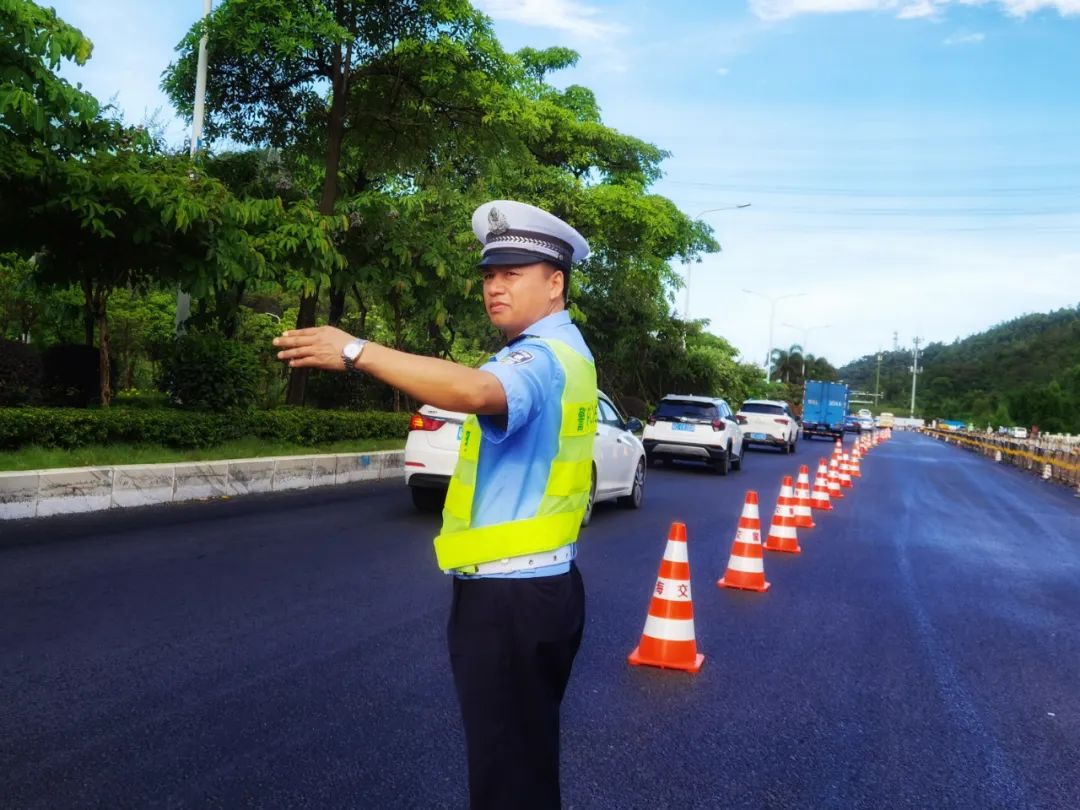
[{"x": 825, "y": 404}]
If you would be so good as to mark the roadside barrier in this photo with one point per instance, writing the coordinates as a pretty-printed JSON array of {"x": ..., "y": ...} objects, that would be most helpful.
[
  {"x": 1054, "y": 459},
  {"x": 668, "y": 639},
  {"x": 746, "y": 566}
]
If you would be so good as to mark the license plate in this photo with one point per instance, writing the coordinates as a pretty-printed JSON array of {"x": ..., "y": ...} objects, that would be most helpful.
[
  {"x": 460, "y": 428},
  {"x": 759, "y": 436},
  {"x": 683, "y": 426}
]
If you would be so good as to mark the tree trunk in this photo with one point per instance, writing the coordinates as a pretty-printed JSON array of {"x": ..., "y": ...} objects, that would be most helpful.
[
  {"x": 361, "y": 321},
  {"x": 335, "y": 132},
  {"x": 103, "y": 348},
  {"x": 88, "y": 310},
  {"x": 337, "y": 307}
]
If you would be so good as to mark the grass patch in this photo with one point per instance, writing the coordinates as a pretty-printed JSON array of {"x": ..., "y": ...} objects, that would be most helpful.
[{"x": 43, "y": 458}]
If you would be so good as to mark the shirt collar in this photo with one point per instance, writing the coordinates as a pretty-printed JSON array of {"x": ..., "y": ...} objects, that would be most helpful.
[{"x": 546, "y": 326}]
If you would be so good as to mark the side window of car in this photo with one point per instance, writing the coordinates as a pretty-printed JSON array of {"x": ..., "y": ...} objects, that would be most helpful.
[{"x": 608, "y": 415}]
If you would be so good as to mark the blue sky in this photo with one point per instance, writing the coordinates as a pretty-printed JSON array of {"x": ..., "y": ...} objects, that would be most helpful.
[{"x": 912, "y": 165}]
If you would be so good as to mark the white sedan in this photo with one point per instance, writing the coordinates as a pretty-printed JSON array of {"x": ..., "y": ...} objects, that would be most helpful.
[
  {"x": 768, "y": 421},
  {"x": 618, "y": 457}
]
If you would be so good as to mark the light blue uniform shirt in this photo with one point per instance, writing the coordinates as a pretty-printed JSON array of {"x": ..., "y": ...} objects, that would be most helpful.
[{"x": 515, "y": 460}]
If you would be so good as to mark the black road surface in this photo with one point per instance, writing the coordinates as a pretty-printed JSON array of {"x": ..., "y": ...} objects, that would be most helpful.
[{"x": 288, "y": 651}]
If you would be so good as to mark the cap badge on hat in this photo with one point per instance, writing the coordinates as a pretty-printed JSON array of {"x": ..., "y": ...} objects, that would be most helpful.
[{"x": 497, "y": 222}]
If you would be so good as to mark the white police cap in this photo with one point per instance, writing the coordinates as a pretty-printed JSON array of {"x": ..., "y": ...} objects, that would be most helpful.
[{"x": 518, "y": 233}]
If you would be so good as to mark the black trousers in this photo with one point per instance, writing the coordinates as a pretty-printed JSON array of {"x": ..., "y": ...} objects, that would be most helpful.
[{"x": 512, "y": 643}]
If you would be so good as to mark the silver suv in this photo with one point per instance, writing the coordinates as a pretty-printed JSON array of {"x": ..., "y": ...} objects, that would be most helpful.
[{"x": 691, "y": 428}]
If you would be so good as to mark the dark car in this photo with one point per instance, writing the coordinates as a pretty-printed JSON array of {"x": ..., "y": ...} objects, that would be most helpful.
[{"x": 851, "y": 424}]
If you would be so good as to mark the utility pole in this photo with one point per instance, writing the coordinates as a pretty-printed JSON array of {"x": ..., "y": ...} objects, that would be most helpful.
[
  {"x": 914, "y": 374},
  {"x": 183, "y": 300},
  {"x": 877, "y": 380},
  {"x": 896, "y": 341}
]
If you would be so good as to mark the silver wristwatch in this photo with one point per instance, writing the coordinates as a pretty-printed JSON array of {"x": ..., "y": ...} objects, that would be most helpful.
[{"x": 351, "y": 353}]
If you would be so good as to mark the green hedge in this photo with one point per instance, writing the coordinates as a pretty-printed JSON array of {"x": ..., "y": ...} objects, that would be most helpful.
[{"x": 77, "y": 427}]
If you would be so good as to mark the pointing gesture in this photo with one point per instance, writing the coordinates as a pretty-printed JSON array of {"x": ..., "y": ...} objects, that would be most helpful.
[{"x": 317, "y": 347}]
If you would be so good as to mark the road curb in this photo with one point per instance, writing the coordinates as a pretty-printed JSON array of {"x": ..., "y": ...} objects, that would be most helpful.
[{"x": 40, "y": 493}]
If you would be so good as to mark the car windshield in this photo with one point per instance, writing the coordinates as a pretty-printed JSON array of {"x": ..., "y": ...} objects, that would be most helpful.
[
  {"x": 760, "y": 407},
  {"x": 672, "y": 409}
]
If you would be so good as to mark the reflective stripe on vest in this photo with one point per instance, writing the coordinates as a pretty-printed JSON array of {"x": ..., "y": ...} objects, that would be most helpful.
[{"x": 566, "y": 493}]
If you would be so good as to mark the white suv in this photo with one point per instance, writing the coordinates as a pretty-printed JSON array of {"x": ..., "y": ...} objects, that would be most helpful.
[
  {"x": 768, "y": 421},
  {"x": 690, "y": 428},
  {"x": 431, "y": 452}
]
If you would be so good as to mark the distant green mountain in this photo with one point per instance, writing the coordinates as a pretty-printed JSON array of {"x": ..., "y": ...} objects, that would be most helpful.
[{"x": 1022, "y": 372}]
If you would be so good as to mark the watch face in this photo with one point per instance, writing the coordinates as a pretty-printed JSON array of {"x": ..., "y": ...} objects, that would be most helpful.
[{"x": 352, "y": 349}]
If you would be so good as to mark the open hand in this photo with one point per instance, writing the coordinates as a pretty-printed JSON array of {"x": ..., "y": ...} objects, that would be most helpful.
[{"x": 317, "y": 347}]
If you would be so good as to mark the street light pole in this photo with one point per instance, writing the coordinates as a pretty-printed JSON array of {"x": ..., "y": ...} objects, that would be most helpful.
[
  {"x": 183, "y": 299},
  {"x": 806, "y": 330},
  {"x": 689, "y": 265},
  {"x": 773, "y": 301},
  {"x": 914, "y": 374}
]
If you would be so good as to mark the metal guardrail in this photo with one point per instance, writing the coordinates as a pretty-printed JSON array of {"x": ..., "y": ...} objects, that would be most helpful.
[{"x": 1053, "y": 458}]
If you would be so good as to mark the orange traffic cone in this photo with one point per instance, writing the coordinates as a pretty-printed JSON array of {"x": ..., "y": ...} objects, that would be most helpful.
[
  {"x": 668, "y": 638},
  {"x": 804, "y": 518},
  {"x": 783, "y": 531},
  {"x": 834, "y": 479},
  {"x": 853, "y": 465},
  {"x": 746, "y": 567},
  {"x": 845, "y": 472},
  {"x": 820, "y": 497}
]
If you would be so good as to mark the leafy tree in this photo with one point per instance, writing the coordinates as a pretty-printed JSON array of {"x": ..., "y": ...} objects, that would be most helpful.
[
  {"x": 21, "y": 303},
  {"x": 401, "y": 76},
  {"x": 42, "y": 117},
  {"x": 787, "y": 364}
]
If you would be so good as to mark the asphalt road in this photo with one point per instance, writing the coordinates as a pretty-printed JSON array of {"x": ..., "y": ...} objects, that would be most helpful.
[{"x": 288, "y": 651}]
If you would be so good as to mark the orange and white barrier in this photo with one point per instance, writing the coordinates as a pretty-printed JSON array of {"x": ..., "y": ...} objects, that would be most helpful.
[
  {"x": 668, "y": 639},
  {"x": 746, "y": 566}
]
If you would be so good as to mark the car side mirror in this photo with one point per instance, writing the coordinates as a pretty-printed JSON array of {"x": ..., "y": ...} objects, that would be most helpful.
[{"x": 633, "y": 424}]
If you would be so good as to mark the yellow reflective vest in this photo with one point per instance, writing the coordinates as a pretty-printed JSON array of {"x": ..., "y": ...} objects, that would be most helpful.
[{"x": 566, "y": 494}]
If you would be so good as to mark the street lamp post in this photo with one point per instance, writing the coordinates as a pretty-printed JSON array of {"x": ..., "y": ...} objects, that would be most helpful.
[
  {"x": 806, "y": 330},
  {"x": 773, "y": 301},
  {"x": 183, "y": 299},
  {"x": 689, "y": 265}
]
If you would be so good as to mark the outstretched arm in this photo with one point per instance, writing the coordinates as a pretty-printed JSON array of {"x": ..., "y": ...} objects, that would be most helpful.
[{"x": 430, "y": 380}]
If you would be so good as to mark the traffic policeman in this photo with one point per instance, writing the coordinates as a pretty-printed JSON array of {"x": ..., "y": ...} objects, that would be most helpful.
[{"x": 516, "y": 499}]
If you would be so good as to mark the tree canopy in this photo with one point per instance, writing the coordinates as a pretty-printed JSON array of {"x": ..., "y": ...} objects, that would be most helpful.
[{"x": 358, "y": 137}]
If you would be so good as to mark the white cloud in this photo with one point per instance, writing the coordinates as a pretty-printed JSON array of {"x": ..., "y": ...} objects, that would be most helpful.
[
  {"x": 723, "y": 71},
  {"x": 964, "y": 39},
  {"x": 920, "y": 10},
  {"x": 1021, "y": 8},
  {"x": 564, "y": 15},
  {"x": 773, "y": 10}
]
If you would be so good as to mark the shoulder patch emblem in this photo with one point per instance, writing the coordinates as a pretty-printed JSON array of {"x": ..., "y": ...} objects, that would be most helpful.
[{"x": 517, "y": 357}]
